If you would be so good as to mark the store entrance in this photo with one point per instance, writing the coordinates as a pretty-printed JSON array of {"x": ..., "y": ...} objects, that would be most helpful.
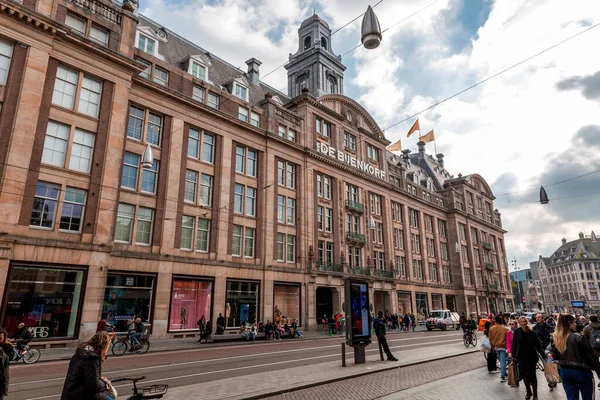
[{"x": 324, "y": 302}]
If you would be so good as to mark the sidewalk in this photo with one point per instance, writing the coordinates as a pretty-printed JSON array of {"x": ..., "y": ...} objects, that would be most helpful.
[
  {"x": 263, "y": 384},
  {"x": 162, "y": 345}
]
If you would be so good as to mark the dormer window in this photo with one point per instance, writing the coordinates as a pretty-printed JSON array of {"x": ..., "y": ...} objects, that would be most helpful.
[
  {"x": 198, "y": 70},
  {"x": 240, "y": 91},
  {"x": 307, "y": 42},
  {"x": 146, "y": 44}
]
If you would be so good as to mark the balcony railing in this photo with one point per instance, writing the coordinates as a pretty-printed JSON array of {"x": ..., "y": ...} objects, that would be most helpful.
[
  {"x": 492, "y": 287},
  {"x": 489, "y": 266},
  {"x": 355, "y": 237},
  {"x": 382, "y": 273},
  {"x": 357, "y": 270},
  {"x": 330, "y": 267},
  {"x": 355, "y": 206},
  {"x": 486, "y": 245},
  {"x": 101, "y": 9}
]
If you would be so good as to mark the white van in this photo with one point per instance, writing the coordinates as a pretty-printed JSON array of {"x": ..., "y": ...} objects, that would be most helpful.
[{"x": 439, "y": 319}]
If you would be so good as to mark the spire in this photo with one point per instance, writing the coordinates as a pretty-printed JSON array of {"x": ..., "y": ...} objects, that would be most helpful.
[{"x": 594, "y": 237}]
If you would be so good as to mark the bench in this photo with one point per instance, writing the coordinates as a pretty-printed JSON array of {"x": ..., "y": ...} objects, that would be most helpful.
[{"x": 236, "y": 335}]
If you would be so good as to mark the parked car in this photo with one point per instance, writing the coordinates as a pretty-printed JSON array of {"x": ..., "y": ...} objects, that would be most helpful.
[{"x": 439, "y": 319}]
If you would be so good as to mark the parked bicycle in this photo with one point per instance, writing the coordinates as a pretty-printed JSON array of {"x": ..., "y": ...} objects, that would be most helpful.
[
  {"x": 128, "y": 342},
  {"x": 147, "y": 392},
  {"x": 470, "y": 338}
]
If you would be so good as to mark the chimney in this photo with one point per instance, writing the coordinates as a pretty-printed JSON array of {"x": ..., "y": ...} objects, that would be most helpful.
[
  {"x": 440, "y": 158},
  {"x": 564, "y": 241},
  {"x": 421, "y": 145},
  {"x": 581, "y": 235},
  {"x": 253, "y": 73}
]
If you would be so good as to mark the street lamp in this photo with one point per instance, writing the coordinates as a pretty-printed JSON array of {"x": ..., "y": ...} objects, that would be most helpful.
[{"x": 543, "y": 196}]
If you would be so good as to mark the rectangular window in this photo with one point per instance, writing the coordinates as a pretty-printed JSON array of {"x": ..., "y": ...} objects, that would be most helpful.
[
  {"x": 428, "y": 223},
  {"x": 414, "y": 218},
  {"x": 194, "y": 143},
  {"x": 145, "y": 44},
  {"x": 401, "y": 266},
  {"x": 89, "y": 98},
  {"x": 430, "y": 248},
  {"x": 444, "y": 250},
  {"x": 375, "y": 203},
  {"x": 282, "y": 131},
  {"x": 379, "y": 230},
  {"x": 415, "y": 241},
  {"x": 128, "y": 290},
  {"x": 447, "y": 274},
  {"x": 281, "y": 247},
  {"x": 131, "y": 164},
  {"x": 462, "y": 229},
  {"x": 251, "y": 162},
  {"x": 161, "y": 76},
  {"x": 206, "y": 185},
  {"x": 442, "y": 228},
  {"x": 418, "y": 270},
  {"x": 190, "y": 300},
  {"x": 349, "y": 141},
  {"x": 191, "y": 185},
  {"x": 147, "y": 72},
  {"x": 143, "y": 230},
  {"x": 433, "y": 272},
  {"x": 243, "y": 114},
  {"x": 203, "y": 235},
  {"x": 154, "y": 128},
  {"x": 236, "y": 241},
  {"x": 135, "y": 125},
  {"x": 242, "y": 298},
  {"x": 281, "y": 173},
  {"x": 238, "y": 198},
  {"x": 281, "y": 208},
  {"x": 322, "y": 127},
  {"x": 213, "y": 100},
  {"x": 187, "y": 232},
  {"x": 99, "y": 35},
  {"x": 249, "y": 242},
  {"x": 328, "y": 219},
  {"x": 291, "y": 248},
  {"x": 72, "y": 210},
  {"x": 149, "y": 178},
  {"x": 75, "y": 23},
  {"x": 320, "y": 217},
  {"x": 290, "y": 175},
  {"x": 6, "y": 50},
  {"x": 240, "y": 156},
  {"x": 291, "y": 135},
  {"x": 241, "y": 92},
  {"x": 250, "y": 201},
  {"x": 81, "y": 151},
  {"x": 208, "y": 148},
  {"x": 291, "y": 211},
  {"x": 198, "y": 94},
  {"x": 372, "y": 153},
  {"x": 65, "y": 87},
  {"x": 254, "y": 119},
  {"x": 124, "y": 224},
  {"x": 55, "y": 144},
  {"x": 198, "y": 71}
]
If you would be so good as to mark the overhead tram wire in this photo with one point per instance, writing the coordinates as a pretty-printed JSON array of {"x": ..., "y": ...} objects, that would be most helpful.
[
  {"x": 550, "y": 185},
  {"x": 332, "y": 33},
  {"x": 493, "y": 76}
]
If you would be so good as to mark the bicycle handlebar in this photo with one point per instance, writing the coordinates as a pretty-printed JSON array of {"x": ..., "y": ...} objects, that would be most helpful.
[{"x": 128, "y": 379}]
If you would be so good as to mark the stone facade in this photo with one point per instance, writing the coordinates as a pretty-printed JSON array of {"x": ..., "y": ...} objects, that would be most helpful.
[{"x": 252, "y": 208}]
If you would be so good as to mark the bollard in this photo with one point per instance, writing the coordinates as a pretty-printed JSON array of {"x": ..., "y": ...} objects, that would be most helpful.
[
  {"x": 343, "y": 354},
  {"x": 380, "y": 350}
]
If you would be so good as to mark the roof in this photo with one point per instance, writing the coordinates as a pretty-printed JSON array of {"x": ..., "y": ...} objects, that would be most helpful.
[
  {"x": 177, "y": 50},
  {"x": 579, "y": 249},
  {"x": 313, "y": 18}
]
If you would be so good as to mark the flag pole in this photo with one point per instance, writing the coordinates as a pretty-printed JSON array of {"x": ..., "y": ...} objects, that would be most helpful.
[{"x": 434, "y": 146}]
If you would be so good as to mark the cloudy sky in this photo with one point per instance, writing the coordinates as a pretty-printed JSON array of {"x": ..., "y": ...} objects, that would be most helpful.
[{"x": 536, "y": 124}]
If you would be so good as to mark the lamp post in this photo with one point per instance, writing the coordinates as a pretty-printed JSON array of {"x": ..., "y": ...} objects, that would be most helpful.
[{"x": 516, "y": 267}]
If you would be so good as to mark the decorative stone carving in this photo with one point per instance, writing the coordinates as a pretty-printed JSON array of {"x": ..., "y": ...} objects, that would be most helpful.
[{"x": 131, "y": 5}]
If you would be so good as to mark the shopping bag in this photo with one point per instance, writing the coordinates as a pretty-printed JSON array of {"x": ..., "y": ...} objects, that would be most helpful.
[
  {"x": 485, "y": 345},
  {"x": 551, "y": 373},
  {"x": 512, "y": 379}
]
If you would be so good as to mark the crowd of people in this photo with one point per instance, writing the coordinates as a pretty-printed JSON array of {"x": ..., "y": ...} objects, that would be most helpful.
[
  {"x": 393, "y": 322},
  {"x": 568, "y": 344}
]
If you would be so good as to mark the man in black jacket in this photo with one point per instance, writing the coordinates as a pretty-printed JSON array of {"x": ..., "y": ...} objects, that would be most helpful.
[
  {"x": 379, "y": 326},
  {"x": 22, "y": 337},
  {"x": 542, "y": 330}
]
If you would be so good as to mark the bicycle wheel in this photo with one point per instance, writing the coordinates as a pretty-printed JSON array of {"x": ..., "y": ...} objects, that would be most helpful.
[
  {"x": 143, "y": 347},
  {"x": 31, "y": 356},
  {"x": 119, "y": 348},
  {"x": 474, "y": 340}
]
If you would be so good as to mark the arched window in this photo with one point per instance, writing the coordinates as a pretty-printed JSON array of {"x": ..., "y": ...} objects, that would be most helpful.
[
  {"x": 331, "y": 85},
  {"x": 303, "y": 83},
  {"x": 323, "y": 42},
  {"x": 307, "y": 42}
]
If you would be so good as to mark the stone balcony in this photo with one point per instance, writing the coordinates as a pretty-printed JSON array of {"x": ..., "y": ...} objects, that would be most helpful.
[
  {"x": 355, "y": 237},
  {"x": 102, "y": 8},
  {"x": 330, "y": 267},
  {"x": 355, "y": 206}
]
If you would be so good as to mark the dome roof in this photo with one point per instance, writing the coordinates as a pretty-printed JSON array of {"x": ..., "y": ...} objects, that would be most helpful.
[{"x": 312, "y": 18}]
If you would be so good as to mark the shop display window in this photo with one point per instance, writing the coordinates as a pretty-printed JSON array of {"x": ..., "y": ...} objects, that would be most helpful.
[
  {"x": 286, "y": 302},
  {"x": 241, "y": 303},
  {"x": 422, "y": 306},
  {"x": 126, "y": 295},
  {"x": 190, "y": 300}
]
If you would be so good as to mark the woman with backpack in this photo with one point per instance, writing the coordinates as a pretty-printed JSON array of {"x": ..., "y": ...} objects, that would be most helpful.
[{"x": 575, "y": 356}]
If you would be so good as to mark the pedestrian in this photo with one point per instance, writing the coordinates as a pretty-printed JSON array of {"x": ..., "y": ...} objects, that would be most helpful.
[
  {"x": 491, "y": 356},
  {"x": 379, "y": 326},
  {"x": 592, "y": 334},
  {"x": 406, "y": 322},
  {"x": 294, "y": 331},
  {"x": 201, "y": 327},
  {"x": 509, "y": 341},
  {"x": 542, "y": 330},
  {"x": 220, "y": 325},
  {"x": 575, "y": 356},
  {"x": 5, "y": 358},
  {"x": 498, "y": 343},
  {"x": 207, "y": 333},
  {"x": 84, "y": 378},
  {"x": 102, "y": 324},
  {"x": 525, "y": 348},
  {"x": 462, "y": 322},
  {"x": 22, "y": 338}
]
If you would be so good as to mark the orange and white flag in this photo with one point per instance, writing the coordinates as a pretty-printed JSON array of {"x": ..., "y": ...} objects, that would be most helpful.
[
  {"x": 429, "y": 137},
  {"x": 395, "y": 146},
  {"x": 414, "y": 128}
]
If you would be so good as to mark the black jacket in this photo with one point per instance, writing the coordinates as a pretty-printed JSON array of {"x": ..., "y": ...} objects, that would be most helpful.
[
  {"x": 23, "y": 334},
  {"x": 579, "y": 354},
  {"x": 526, "y": 347},
  {"x": 4, "y": 374},
  {"x": 543, "y": 332},
  {"x": 83, "y": 378},
  {"x": 379, "y": 326}
]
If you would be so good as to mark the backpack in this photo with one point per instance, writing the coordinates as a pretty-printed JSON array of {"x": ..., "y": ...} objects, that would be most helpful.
[{"x": 595, "y": 338}]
